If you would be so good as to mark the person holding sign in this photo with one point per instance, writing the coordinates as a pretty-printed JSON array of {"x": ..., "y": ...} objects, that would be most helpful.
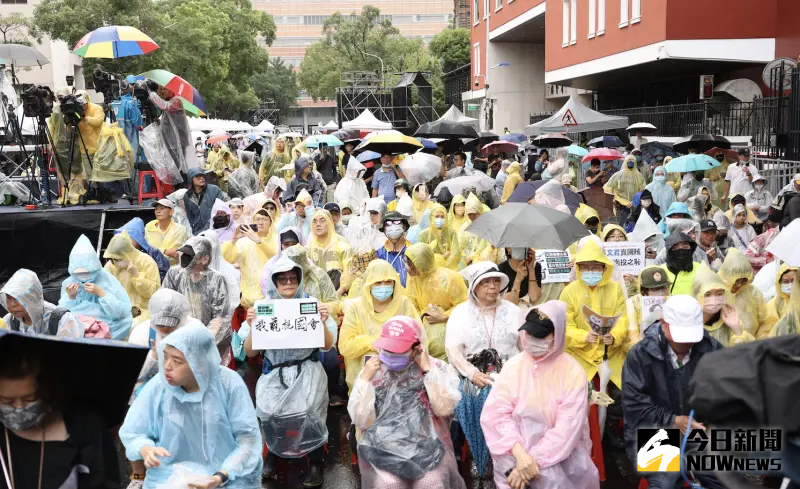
[
  {"x": 292, "y": 393},
  {"x": 616, "y": 234},
  {"x": 652, "y": 284},
  {"x": 719, "y": 315}
]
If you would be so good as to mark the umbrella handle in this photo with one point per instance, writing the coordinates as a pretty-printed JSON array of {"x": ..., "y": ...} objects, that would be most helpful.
[{"x": 605, "y": 353}]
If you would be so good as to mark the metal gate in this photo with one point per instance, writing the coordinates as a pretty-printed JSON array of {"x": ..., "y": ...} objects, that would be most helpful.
[{"x": 793, "y": 126}]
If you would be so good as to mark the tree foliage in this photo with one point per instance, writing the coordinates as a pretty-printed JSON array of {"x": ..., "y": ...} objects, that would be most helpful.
[
  {"x": 451, "y": 48},
  {"x": 15, "y": 28},
  {"x": 277, "y": 83},
  {"x": 213, "y": 44}
]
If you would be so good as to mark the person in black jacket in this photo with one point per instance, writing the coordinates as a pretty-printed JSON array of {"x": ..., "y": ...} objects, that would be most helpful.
[
  {"x": 655, "y": 380},
  {"x": 326, "y": 166}
]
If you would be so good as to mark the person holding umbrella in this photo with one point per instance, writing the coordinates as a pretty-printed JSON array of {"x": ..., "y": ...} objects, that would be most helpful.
[{"x": 383, "y": 180}]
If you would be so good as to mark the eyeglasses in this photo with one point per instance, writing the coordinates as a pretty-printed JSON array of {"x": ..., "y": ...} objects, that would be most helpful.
[
  {"x": 493, "y": 281},
  {"x": 394, "y": 222},
  {"x": 287, "y": 280}
]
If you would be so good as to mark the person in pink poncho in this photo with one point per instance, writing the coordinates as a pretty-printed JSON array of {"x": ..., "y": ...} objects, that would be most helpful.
[{"x": 535, "y": 420}]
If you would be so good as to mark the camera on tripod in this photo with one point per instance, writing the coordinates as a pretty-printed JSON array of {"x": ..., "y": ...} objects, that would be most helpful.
[
  {"x": 107, "y": 84},
  {"x": 37, "y": 101},
  {"x": 141, "y": 90},
  {"x": 72, "y": 109}
]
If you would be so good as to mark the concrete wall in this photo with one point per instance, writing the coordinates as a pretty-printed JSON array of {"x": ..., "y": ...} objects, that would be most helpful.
[{"x": 518, "y": 89}]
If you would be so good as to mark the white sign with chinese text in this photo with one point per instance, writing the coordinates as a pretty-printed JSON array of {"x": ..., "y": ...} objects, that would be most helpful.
[
  {"x": 555, "y": 265},
  {"x": 628, "y": 256},
  {"x": 287, "y": 323},
  {"x": 652, "y": 310}
]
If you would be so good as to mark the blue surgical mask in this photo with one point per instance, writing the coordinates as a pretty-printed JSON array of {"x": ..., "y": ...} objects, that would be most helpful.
[
  {"x": 395, "y": 361},
  {"x": 631, "y": 164},
  {"x": 382, "y": 292},
  {"x": 438, "y": 222},
  {"x": 519, "y": 253},
  {"x": 638, "y": 159},
  {"x": 538, "y": 167},
  {"x": 660, "y": 178},
  {"x": 591, "y": 278}
]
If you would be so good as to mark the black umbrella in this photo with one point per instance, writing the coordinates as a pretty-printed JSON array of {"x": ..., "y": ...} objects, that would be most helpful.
[
  {"x": 525, "y": 191},
  {"x": 446, "y": 129},
  {"x": 487, "y": 137},
  {"x": 348, "y": 136},
  {"x": 700, "y": 143},
  {"x": 96, "y": 373},
  {"x": 554, "y": 140}
]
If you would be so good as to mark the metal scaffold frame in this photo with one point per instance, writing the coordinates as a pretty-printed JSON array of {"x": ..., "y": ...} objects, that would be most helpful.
[{"x": 266, "y": 110}]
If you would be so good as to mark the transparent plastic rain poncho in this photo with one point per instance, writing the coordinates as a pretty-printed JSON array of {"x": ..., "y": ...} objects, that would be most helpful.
[
  {"x": 748, "y": 300},
  {"x": 456, "y": 221},
  {"x": 360, "y": 232},
  {"x": 147, "y": 280},
  {"x": 292, "y": 401},
  {"x": 474, "y": 248},
  {"x": 159, "y": 156},
  {"x": 542, "y": 404},
  {"x": 779, "y": 304},
  {"x": 176, "y": 132},
  {"x": 114, "y": 157},
  {"x": 243, "y": 182},
  {"x": 25, "y": 287},
  {"x": 626, "y": 183},
  {"x": 351, "y": 189},
  {"x": 335, "y": 252},
  {"x": 444, "y": 242},
  {"x": 180, "y": 216},
  {"x": 663, "y": 194},
  {"x": 551, "y": 194},
  {"x": 513, "y": 179},
  {"x": 215, "y": 427},
  {"x": 15, "y": 189},
  {"x": 421, "y": 202},
  {"x": 114, "y": 308},
  {"x": 647, "y": 230},
  {"x": 789, "y": 323},
  {"x": 404, "y": 421},
  {"x": 233, "y": 277},
  {"x": 706, "y": 280}
]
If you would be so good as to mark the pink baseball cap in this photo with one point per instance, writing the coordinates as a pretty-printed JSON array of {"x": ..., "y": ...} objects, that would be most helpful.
[{"x": 398, "y": 334}]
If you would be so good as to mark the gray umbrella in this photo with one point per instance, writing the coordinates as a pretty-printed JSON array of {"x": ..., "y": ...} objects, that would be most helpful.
[
  {"x": 517, "y": 225},
  {"x": 20, "y": 55}
]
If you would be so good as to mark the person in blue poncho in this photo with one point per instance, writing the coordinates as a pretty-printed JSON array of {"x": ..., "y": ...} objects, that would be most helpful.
[
  {"x": 199, "y": 200},
  {"x": 91, "y": 291},
  {"x": 135, "y": 229},
  {"x": 678, "y": 210},
  {"x": 196, "y": 415},
  {"x": 663, "y": 194}
]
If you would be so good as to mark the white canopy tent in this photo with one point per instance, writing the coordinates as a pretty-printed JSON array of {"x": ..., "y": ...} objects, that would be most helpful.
[
  {"x": 265, "y": 126},
  {"x": 366, "y": 121},
  {"x": 331, "y": 126},
  {"x": 201, "y": 124},
  {"x": 455, "y": 115},
  {"x": 575, "y": 117}
]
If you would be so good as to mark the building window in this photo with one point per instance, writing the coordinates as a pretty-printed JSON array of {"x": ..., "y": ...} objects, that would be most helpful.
[
  {"x": 601, "y": 17},
  {"x": 623, "y": 13},
  {"x": 498, "y": 4},
  {"x": 476, "y": 11},
  {"x": 485, "y": 9},
  {"x": 573, "y": 22},
  {"x": 592, "y": 18},
  {"x": 636, "y": 11},
  {"x": 476, "y": 58},
  {"x": 564, "y": 23},
  {"x": 14, "y": 1},
  {"x": 315, "y": 19}
]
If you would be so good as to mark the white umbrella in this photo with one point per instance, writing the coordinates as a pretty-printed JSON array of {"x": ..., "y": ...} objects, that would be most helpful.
[
  {"x": 481, "y": 181},
  {"x": 784, "y": 246},
  {"x": 642, "y": 127},
  {"x": 420, "y": 168}
]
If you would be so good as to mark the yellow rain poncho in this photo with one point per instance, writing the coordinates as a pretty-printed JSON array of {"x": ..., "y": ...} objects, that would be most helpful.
[
  {"x": 244, "y": 255},
  {"x": 789, "y": 323},
  {"x": 751, "y": 217},
  {"x": 706, "y": 280},
  {"x": 475, "y": 248},
  {"x": 362, "y": 325},
  {"x": 455, "y": 221},
  {"x": 421, "y": 204},
  {"x": 213, "y": 156},
  {"x": 225, "y": 160},
  {"x": 114, "y": 157},
  {"x": 779, "y": 305},
  {"x": 91, "y": 124},
  {"x": 139, "y": 287},
  {"x": 274, "y": 161},
  {"x": 583, "y": 214},
  {"x": 173, "y": 238},
  {"x": 335, "y": 252},
  {"x": 626, "y": 183},
  {"x": 434, "y": 287},
  {"x": 716, "y": 176},
  {"x": 749, "y": 301},
  {"x": 270, "y": 244},
  {"x": 632, "y": 286},
  {"x": 444, "y": 242},
  {"x": 607, "y": 299},
  {"x": 512, "y": 180}
]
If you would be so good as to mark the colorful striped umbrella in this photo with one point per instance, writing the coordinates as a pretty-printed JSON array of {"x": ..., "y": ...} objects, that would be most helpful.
[
  {"x": 190, "y": 97},
  {"x": 114, "y": 42}
]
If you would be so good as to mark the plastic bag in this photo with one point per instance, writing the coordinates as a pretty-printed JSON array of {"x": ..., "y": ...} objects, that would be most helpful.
[
  {"x": 9, "y": 187},
  {"x": 114, "y": 158},
  {"x": 159, "y": 156},
  {"x": 185, "y": 473}
]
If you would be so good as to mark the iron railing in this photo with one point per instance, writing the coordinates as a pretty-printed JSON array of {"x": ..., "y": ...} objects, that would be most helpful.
[
  {"x": 456, "y": 82},
  {"x": 724, "y": 118},
  {"x": 777, "y": 172}
]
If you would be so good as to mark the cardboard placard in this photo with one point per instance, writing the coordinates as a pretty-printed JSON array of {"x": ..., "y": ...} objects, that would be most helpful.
[
  {"x": 287, "y": 323},
  {"x": 555, "y": 265},
  {"x": 652, "y": 310},
  {"x": 628, "y": 256},
  {"x": 600, "y": 324}
]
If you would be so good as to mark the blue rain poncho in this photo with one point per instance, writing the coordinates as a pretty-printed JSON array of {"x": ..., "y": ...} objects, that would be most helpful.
[
  {"x": 215, "y": 427},
  {"x": 663, "y": 194},
  {"x": 424, "y": 223},
  {"x": 292, "y": 401},
  {"x": 674, "y": 208},
  {"x": 135, "y": 229},
  {"x": 114, "y": 308},
  {"x": 25, "y": 287}
]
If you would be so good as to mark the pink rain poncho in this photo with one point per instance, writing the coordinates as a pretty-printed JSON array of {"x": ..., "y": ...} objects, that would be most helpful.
[{"x": 542, "y": 404}]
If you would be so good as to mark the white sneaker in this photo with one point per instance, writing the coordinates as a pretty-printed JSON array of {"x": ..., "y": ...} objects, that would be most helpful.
[{"x": 135, "y": 484}]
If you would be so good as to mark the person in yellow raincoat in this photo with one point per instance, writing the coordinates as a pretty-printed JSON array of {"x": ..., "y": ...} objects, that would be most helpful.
[
  {"x": 789, "y": 323},
  {"x": 251, "y": 254},
  {"x": 458, "y": 212},
  {"x": 596, "y": 290},
  {"x": 475, "y": 248},
  {"x": 435, "y": 291},
  {"x": 750, "y": 305},
  {"x": 224, "y": 165},
  {"x": 716, "y": 176},
  {"x": 136, "y": 271},
  {"x": 213, "y": 156},
  {"x": 274, "y": 161},
  {"x": 442, "y": 238},
  {"x": 91, "y": 123},
  {"x": 328, "y": 250},
  {"x": 591, "y": 221},
  {"x": 623, "y": 185},
  {"x": 613, "y": 233},
  {"x": 364, "y": 316},
  {"x": 719, "y": 314},
  {"x": 784, "y": 281},
  {"x": 422, "y": 202},
  {"x": 513, "y": 179},
  {"x": 673, "y": 178}
]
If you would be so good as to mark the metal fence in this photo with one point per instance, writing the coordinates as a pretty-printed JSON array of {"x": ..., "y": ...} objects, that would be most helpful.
[
  {"x": 777, "y": 172},
  {"x": 725, "y": 118},
  {"x": 456, "y": 82}
]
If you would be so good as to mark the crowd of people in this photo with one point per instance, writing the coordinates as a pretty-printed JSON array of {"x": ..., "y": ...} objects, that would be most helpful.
[{"x": 444, "y": 337}]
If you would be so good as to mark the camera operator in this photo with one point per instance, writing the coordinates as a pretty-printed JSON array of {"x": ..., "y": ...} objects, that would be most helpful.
[{"x": 91, "y": 123}]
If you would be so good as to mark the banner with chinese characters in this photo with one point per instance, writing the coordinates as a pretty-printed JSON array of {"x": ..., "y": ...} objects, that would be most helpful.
[
  {"x": 287, "y": 323},
  {"x": 628, "y": 256},
  {"x": 555, "y": 265}
]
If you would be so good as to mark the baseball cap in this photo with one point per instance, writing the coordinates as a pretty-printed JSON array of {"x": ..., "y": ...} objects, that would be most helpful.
[
  {"x": 684, "y": 316},
  {"x": 653, "y": 278},
  {"x": 398, "y": 334},
  {"x": 744, "y": 151},
  {"x": 708, "y": 225},
  {"x": 333, "y": 207},
  {"x": 169, "y": 318},
  {"x": 164, "y": 202},
  {"x": 537, "y": 324}
]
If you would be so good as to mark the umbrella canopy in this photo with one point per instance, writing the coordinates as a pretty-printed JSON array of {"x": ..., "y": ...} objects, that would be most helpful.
[
  {"x": 218, "y": 138},
  {"x": 390, "y": 142},
  {"x": 329, "y": 139},
  {"x": 190, "y": 97},
  {"x": 605, "y": 142},
  {"x": 420, "y": 168},
  {"x": 701, "y": 143},
  {"x": 554, "y": 140},
  {"x": 691, "y": 162},
  {"x": 427, "y": 143},
  {"x": 481, "y": 181},
  {"x": 487, "y": 137},
  {"x": 642, "y": 127},
  {"x": 577, "y": 150},
  {"x": 368, "y": 156},
  {"x": 84, "y": 368},
  {"x": 517, "y": 225},
  {"x": 602, "y": 154},
  {"x": 784, "y": 246},
  {"x": 114, "y": 42},
  {"x": 352, "y": 136},
  {"x": 21, "y": 56},
  {"x": 525, "y": 191},
  {"x": 730, "y": 154},
  {"x": 446, "y": 129},
  {"x": 657, "y": 148},
  {"x": 514, "y": 137},
  {"x": 500, "y": 147}
]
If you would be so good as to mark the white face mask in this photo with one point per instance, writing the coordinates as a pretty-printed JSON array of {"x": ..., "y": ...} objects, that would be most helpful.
[
  {"x": 759, "y": 186},
  {"x": 536, "y": 347},
  {"x": 786, "y": 288},
  {"x": 123, "y": 263},
  {"x": 346, "y": 218},
  {"x": 646, "y": 203},
  {"x": 713, "y": 304},
  {"x": 394, "y": 231}
]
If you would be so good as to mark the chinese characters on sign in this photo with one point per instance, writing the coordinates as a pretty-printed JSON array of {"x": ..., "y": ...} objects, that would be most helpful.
[
  {"x": 287, "y": 323},
  {"x": 734, "y": 450},
  {"x": 652, "y": 310},
  {"x": 628, "y": 256},
  {"x": 555, "y": 265}
]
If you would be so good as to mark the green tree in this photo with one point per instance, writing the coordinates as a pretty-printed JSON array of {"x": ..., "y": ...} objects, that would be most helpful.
[
  {"x": 15, "y": 28},
  {"x": 451, "y": 48},
  {"x": 277, "y": 83}
]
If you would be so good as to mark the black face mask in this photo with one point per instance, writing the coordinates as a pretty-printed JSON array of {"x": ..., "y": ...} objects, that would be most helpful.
[
  {"x": 592, "y": 229},
  {"x": 221, "y": 221},
  {"x": 720, "y": 158},
  {"x": 698, "y": 175},
  {"x": 721, "y": 238},
  {"x": 187, "y": 258},
  {"x": 680, "y": 260}
]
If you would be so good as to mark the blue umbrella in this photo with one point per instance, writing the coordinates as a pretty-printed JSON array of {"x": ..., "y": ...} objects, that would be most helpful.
[
  {"x": 368, "y": 156},
  {"x": 318, "y": 139},
  {"x": 427, "y": 143},
  {"x": 691, "y": 162},
  {"x": 606, "y": 142},
  {"x": 514, "y": 137},
  {"x": 577, "y": 151},
  {"x": 468, "y": 412}
]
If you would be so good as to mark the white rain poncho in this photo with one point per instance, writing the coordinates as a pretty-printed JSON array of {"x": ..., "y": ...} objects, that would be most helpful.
[
  {"x": 361, "y": 232},
  {"x": 404, "y": 421},
  {"x": 215, "y": 427},
  {"x": 663, "y": 194},
  {"x": 647, "y": 230},
  {"x": 551, "y": 194},
  {"x": 232, "y": 275},
  {"x": 351, "y": 189},
  {"x": 180, "y": 216},
  {"x": 292, "y": 393},
  {"x": 25, "y": 287},
  {"x": 243, "y": 182}
]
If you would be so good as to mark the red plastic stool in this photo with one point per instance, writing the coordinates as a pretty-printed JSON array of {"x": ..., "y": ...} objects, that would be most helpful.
[{"x": 162, "y": 189}]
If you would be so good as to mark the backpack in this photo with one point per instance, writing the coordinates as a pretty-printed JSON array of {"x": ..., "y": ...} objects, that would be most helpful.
[{"x": 52, "y": 327}]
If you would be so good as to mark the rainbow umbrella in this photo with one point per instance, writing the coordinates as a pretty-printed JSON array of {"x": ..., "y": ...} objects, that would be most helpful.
[
  {"x": 190, "y": 97},
  {"x": 114, "y": 42}
]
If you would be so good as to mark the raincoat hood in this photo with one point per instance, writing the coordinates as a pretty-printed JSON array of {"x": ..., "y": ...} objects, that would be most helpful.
[
  {"x": 751, "y": 218},
  {"x": 25, "y": 287},
  {"x": 585, "y": 212},
  {"x": 679, "y": 237},
  {"x": 438, "y": 208},
  {"x": 455, "y": 220},
  {"x": 200, "y": 349},
  {"x": 735, "y": 267},
  {"x": 514, "y": 168},
  {"x": 247, "y": 158},
  {"x": 135, "y": 230},
  {"x": 299, "y": 255},
  {"x": 226, "y": 233},
  {"x": 83, "y": 255},
  {"x": 315, "y": 240},
  {"x": 297, "y": 232},
  {"x": 422, "y": 256},
  {"x": 300, "y": 164},
  {"x": 378, "y": 205},
  {"x": 781, "y": 272},
  {"x": 678, "y": 208},
  {"x": 706, "y": 280},
  {"x": 354, "y": 169},
  {"x": 722, "y": 221},
  {"x": 379, "y": 271},
  {"x": 194, "y": 172},
  {"x": 304, "y": 198},
  {"x": 611, "y": 227},
  {"x": 591, "y": 251},
  {"x": 551, "y": 194},
  {"x": 285, "y": 264},
  {"x": 557, "y": 312},
  {"x": 120, "y": 248},
  {"x": 645, "y": 228},
  {"x": 201, "y": 247},
  {"x": 473, "y": 205}
]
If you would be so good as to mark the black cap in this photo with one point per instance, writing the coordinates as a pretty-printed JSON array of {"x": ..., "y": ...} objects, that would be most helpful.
[
  {"x": 394, "y": 216},
  {"x": 744, "y": 151},
  {"x": 332, "y": 207},
  {"x": 537, "y": 324},
  {"x": 708, "y": 225}
]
